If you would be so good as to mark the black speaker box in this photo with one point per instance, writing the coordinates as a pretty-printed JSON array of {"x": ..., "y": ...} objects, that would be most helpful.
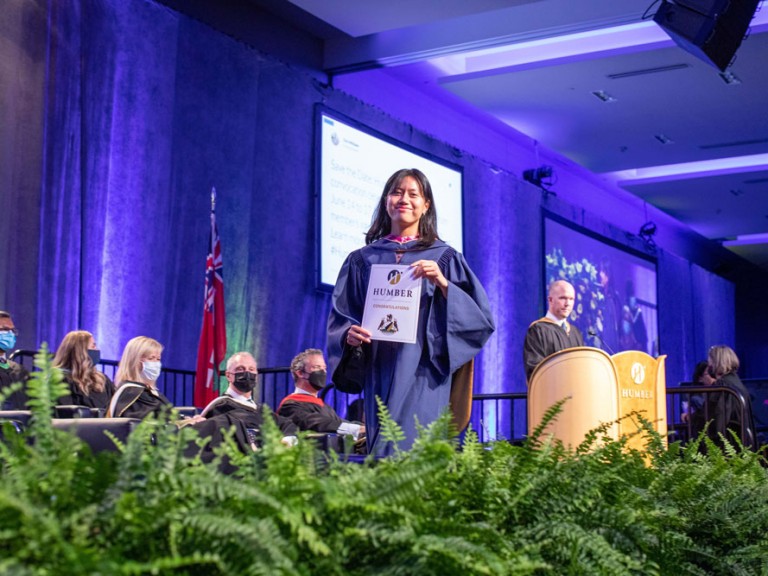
[{"x": 711, "y": 30}]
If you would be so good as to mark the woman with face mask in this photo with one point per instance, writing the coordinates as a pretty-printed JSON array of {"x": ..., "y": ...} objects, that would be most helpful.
[
  {"x": 137, "y": 395},
  {"x": 77, "y": 358}
]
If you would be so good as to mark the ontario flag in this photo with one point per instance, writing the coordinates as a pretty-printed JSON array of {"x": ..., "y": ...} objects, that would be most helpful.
[{"x": 213, "y": 336}]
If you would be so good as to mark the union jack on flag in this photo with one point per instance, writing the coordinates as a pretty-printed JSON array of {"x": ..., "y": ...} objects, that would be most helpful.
[{"x": 213, "y": 336}]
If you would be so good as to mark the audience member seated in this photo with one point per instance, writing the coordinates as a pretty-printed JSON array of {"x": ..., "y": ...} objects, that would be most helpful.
[
  {"x": 77, "y": 358},
  {"x": 238, "y": 402},
  {"x": 137, "y": 396},
  {"x": 694, "y": 402},
  {"x": 10, "y": 371},
  {"x": 723, "y": 409},
  {"x": 305, "y": 408}
]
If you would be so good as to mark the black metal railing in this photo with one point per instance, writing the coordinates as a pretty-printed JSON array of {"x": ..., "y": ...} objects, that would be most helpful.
[
  {"x": 683, "y": 430},
  {"x": 494, "y": 416},
  {"x": 275, "y": 383},
  {"x": 502, "y": 416}
]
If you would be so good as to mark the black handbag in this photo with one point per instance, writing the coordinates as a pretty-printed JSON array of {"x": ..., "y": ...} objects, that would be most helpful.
[{"x": 349, "y": 375}]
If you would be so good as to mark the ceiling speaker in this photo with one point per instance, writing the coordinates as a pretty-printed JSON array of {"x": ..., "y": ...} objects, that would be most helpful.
[{"x": 711, "y": 30}]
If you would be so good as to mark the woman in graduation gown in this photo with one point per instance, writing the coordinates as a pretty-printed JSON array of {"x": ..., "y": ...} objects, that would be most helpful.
[
  {"x": 454, "y": 318},
  {"x": 77, "y": 357}
]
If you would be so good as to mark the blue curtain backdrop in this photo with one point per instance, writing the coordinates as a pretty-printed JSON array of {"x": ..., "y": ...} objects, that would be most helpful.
[{"x": 118, "y": 116}]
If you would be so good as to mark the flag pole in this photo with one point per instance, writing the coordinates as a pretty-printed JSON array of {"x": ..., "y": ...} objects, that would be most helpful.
[
  {"x": 212, "y": 346},
  {"x": 215, "y": 379}
]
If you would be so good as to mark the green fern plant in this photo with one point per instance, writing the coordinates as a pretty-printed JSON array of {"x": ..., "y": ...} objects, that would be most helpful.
[{"x": 156, "y": 506}]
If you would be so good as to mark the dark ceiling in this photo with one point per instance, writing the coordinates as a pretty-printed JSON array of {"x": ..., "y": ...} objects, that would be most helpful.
[{"x": 596, "y": 82}]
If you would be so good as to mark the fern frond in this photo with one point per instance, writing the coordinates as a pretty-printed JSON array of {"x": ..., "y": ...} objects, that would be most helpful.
[
  {"x": 389, "y": 430},
  {"x": 550, "y": 415}
]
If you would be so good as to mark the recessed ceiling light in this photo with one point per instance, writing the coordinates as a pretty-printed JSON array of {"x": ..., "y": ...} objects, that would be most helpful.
[
  {"x": 603, "y": 96},
  {"x": 729, "y": 78}
]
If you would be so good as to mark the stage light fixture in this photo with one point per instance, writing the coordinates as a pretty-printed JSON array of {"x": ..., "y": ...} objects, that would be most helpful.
[
  {"x": 541, "y": 176},
  {"x": 647, "y": 232}
]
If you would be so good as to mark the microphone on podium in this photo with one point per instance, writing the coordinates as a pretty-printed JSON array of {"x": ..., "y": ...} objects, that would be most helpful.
[{"x": 604, "y": 344}]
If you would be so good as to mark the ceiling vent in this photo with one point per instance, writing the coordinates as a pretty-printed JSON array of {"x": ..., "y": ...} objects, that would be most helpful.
[
  {"x": 734, "y": 143},
  {"x": 644, "y": 71},
  {"x": 756, "y": 181}
]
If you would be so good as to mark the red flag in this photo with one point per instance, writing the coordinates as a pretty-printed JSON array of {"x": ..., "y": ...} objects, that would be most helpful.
[{"x": 213, "y": 336}]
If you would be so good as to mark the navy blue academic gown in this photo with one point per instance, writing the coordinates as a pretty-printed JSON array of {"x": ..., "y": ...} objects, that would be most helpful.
[{"x": 413, "y": 380}]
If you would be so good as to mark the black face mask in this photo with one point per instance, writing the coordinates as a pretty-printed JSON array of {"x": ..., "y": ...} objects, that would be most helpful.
[
  {"x": 318, "y": 379},
  {"x": 95, "y": 356},
  {"x": 245, "y": 381}
]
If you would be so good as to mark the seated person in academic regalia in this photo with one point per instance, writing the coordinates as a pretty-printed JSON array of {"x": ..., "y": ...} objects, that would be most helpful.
[
  {"x": 238, "y": 402},
  {"x": 553, "y": 332},
  {"x": 10, "y": 371},
  {"x": 137, "y": 396},
  {"x": 77, "y": 357},
  {"x": 305, "y": 408}
]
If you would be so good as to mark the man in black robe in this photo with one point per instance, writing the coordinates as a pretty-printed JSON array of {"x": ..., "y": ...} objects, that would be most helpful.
[
  {"x": 305, "y": 408},
  {"x": 238, "y": 402},
  {"x": 553, "y": 332},
  {"x": 10, "y": 371}
]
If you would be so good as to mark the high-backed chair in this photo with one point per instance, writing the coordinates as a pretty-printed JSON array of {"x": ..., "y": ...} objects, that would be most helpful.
[
  {"x": 93, "y": 430},
  {"x": 187, "y": 411},
  {"x": 20, "y": 417},
  {"x": 74, "y": 411}
]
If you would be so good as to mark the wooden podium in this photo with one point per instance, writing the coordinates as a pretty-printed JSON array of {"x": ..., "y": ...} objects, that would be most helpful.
[{"x": 600, "y": 389}]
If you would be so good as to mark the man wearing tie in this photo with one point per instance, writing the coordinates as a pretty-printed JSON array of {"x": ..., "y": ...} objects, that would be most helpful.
[{"x": 553, "y": 332}]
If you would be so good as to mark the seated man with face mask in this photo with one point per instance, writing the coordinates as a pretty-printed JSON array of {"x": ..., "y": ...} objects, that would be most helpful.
[
  {"x": 10, "y": 371},
  {"x": 304, "y": 407},
  {"x": 238, "y": 402}
]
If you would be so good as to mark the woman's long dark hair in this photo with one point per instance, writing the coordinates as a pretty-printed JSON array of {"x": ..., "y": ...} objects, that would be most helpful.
[
  {"x": 382, "y": 223},
  {"x": 72, "y": 354}
]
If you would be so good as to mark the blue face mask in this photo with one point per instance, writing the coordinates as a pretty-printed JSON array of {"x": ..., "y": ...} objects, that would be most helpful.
[{"x": 7, "y": 340}]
